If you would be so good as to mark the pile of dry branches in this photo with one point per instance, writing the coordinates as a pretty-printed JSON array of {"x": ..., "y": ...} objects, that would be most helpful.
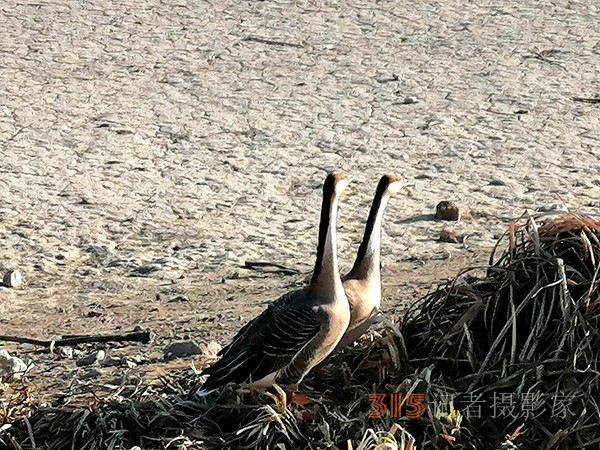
[
  {"x": 520, "y": 343},
  {"x": 502, "y": 357}
]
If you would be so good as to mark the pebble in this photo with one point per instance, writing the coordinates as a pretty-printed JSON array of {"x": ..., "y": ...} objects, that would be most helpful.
[
  {"x": 182, "y": 348},
  {"x": 552, "y": 207},
  {"x": 65, "y": 352},
  {"x": 91, "y": 358},
  {"x": 410, "y": 100},
  {"x": 11, "y": 367},
  {"x": 138, "y": 359},
  {"x": 446, "y": 210},
  {"x": 110, "y": 361}
]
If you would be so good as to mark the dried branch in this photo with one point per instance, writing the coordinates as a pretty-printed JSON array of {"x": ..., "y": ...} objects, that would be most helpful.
[{"x": 136, "y": 336}]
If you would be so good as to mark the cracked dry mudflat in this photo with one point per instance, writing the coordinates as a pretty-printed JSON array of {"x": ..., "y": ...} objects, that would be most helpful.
[{"x": 149, "y": 150}]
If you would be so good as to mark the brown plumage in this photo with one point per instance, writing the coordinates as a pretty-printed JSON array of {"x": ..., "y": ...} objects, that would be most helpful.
[
  {"x": 363, "y": 283},
  {"x": 298, "y": 330}
]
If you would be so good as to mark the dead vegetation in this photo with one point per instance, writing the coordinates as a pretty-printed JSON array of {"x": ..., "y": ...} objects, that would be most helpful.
[{"x": 504, "y": 357}]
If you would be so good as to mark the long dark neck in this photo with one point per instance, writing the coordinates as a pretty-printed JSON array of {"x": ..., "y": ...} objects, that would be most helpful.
[
  {"x": 326, "y": 273},
  {"x": 368, "y": 259}
]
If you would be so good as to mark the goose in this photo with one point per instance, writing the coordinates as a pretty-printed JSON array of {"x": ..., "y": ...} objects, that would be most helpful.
[
  {"x": 363, "y": 283},
  {"x": 297, "y": 331}
]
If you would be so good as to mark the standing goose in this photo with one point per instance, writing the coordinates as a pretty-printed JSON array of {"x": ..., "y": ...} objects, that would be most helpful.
[
  {"x": 363, "y": 283},
  {"x": 301, "y": 328}
]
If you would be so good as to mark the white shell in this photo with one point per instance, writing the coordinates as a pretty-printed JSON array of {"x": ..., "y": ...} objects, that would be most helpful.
[{"x": 12, "y": 278}]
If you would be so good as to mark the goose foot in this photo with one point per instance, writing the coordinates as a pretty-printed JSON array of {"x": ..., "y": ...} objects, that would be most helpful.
[{"x": 289, "y": 396}]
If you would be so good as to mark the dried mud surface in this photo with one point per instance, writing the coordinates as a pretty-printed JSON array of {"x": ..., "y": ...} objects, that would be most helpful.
[{"x": 148, "y": 150}]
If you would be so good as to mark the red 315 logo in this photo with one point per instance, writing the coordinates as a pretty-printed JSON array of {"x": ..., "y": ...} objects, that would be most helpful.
[{"x": 413, "y": 405}]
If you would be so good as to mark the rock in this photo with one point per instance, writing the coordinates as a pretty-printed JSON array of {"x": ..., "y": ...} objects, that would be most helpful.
[
  {"x": 446, "y": 210},
  {"x": 110, "y": 361},
  {"x": 138, "y": 359},
  {"x": 12, "y": 278},
  {"x": 183, "y": 348},
  {"x": 65, "y": 352},
  {"x": 11, "y": 367},
  {"x": 410, "y": 100},
  {"x": 91, "y": 358},
  {"x": 552, "y": 207}
]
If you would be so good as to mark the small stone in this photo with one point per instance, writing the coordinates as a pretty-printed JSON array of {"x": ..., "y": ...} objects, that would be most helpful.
[
  {"x": 91, "y": 358},
  {"x": 65, "y": 352},
  {"x": 183, "y": 348},
  {"x": 552, "y": 207},
  {"x": 138, "y": 359},
  {"x": 128, "y": 363},
  {"x": 449, "y": 235},
  {"x": 12, "y": 278},
  {"x": 446, "y": 210},
  {"x": 11, "y": 367},
  {"x": 110, "y": 361}
]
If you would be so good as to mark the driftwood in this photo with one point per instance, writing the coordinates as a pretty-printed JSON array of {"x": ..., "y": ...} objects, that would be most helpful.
[
  {"x": 137, "y": 336},
  {"x": 592, "y": 100}
]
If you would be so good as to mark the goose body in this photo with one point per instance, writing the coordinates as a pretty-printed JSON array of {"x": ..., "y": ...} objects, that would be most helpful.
[
  {"x": 298, "y": 330},
  {"x": 363, "y": 283}
]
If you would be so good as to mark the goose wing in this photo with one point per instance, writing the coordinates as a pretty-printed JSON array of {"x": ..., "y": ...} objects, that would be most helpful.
[{"x": 266, "y": 344}]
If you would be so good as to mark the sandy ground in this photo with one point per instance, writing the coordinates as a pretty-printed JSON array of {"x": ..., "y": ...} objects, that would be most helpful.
[{"x": 148, "y": 149}]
